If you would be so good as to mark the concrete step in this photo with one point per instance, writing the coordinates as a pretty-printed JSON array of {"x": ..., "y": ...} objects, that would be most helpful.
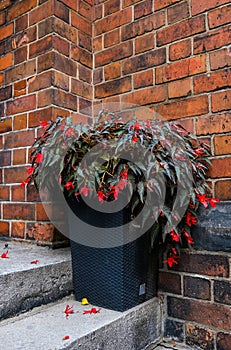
[
  {"x": 24, "y": 285},
  {"x": 44, "y": 328}
]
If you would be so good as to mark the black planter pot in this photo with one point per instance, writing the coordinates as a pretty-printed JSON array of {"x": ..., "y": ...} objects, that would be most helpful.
[{"x": 117, "y": 278}]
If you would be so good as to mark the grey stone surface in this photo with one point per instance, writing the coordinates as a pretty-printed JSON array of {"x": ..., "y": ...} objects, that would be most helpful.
[
  {"x": 44, "y": 328},
  {"x": 24, "y": 285}
]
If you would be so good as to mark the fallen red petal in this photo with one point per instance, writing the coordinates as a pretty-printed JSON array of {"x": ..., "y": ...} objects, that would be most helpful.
[
  {"x": 66, "y": 337},
  {"x": 34, "y": 262},
  {"x": 5, "y": 255}
]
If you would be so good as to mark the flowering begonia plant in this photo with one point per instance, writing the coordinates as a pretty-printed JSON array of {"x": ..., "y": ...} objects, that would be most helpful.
[{"x": 163, "y": 157}]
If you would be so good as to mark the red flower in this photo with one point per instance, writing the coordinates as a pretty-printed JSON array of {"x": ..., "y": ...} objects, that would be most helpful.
[
  {"x": 66, "y": 337},
  {"x": 39, "y": 158},
  {"x": 44, "y": 124},
  {"x": 92, "y": 311},
  {"x": 175, "y": 236},
  {"x": 84, "y": 190},
  {"x": 203, "y": 199},
  {"x": 135, "y": 138},
  {"x": 190, "y": 219},
  {"x": 101, "y": 196},
  {"x": 114, "y": 191},
  {"x": 213, "y": 202},
  {"x": 35, "y": 261},
  {"x": 23, "y": 184},
  {"x": 136, "y": 126},
  {"x": 5, "y": 255},
  {"x": 189, "y": 239},
  {"x": 68, "y": 310},
  {"x": 171, "y": 260},
  {"x": 30, "y": 170},
  {"x": 70, "y": 132},
  {"x": 199, "y": 151},
  {"x": 69, "y": 185},
  {"x": 124, "y": 175},
  {"x": 121, "y": 184}
]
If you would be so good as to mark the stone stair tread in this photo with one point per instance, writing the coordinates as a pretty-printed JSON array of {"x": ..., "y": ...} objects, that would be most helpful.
[{"x": 44, "y": 328}]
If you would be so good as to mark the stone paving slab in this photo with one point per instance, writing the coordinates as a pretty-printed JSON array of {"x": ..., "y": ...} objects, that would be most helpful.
[{"x": 44, "y": 328}]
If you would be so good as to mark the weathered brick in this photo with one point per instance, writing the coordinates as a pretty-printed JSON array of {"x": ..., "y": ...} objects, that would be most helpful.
[
  {"x": 40, "y": 232},
  {"x": 85, "y": 74},
  {"x": 113, "y": 54},
  {"x": 221, "y": 167},
  {"x": 180, "y": 50},
  {"x": 143, "y": 79},
  {"x": 126, "y": 3},
  {"x": 221, "y": 101},
  {"x": 21, "y": 104},
  {"x": 4, "y": 4},
  {"x": 20, "y": 88},
  {"x": 45, "y": 61},
  {"x": 97, "y": 43},
  {"x": 40, "y": 82},
  {"x": 85, "y": 10},
  {"x": 21, "y": 7},
  {"x": 113, "y": 21},
  {"x": 142, "y": 26},
  {"x": 112, "y": 38},
  {"x": 143, "y": 8},
  {"x": 41, "y": 12},
  {"x": 85, "y": 41},
  {"x": 18, "y": 193},
  {"x": 41, "y": 46},
  {"x": 112, "y": 71},
  {"x": 65, "y": 100},
  {"x": 212, "y": 40},
  {"x": 222, "y": 292},
  {"x": 5, "y": 158},
  {"x": 97, "y": 12},
  {"x": 181, "y": 30},
  {"x": 41, "y": 213},
  {"x": 2, "y": 18},
  {"x": 222, "y": 144},
  {"x": 65, "y": 30},
  {"x": 196, "y": 287},
  {"x": 199, "y": 337},
  {"x": 5, "y": 93},
  {"x": 219, "y": 59},
  {"x": 178, "y": 12},
  {"x": 19, "y": 156},
  {"x": 202, "y": 6},
  {"x": 64, "y": 64},
  {"x": 20, "y": 122},
  {"x": 219, "y": 16},
  {"x": 6, "y": 61},
  {"x": 45, "y": 27},
  {"x": 174, "y": 330},
  {"x": 193, "y": 310},
  {"x": 82, "y": 56},
  {"x": 4, "y": 192},
  {"x": 32, "y": 194},
  {"x": 20, "y": 71},
  {"x": 61, "y": 45},
  {"x": 60, "y": 80},
  {"x": 145, "y": 96},
  {"x": 4, "y": 228},
  {"x": 223, "y": 341},
  {"x": 85, "y": 107},
  {"x": 5, "y": 125},
  {"x": 218, "y": 123},
  {"x": 144, "y": 43},
  {"x": 18, "y": 211},
  {"x": 113, "y": 87},
  {"x": 169, "y": 282},
  {"x": 213, "y": 81},
  {"x": 61, "y": 11},
  {"x": 81, "y": 88},
  {"x": 20, "y": 55},
  {"x": 70, "y": 3},
  {"x": 18, "y": 229},
  {"x": 160, "y": 4},
  {"x": 6, "y": 31},
  {"x": 81, "y": 23},
  {"x": 179, "y": 88},
  {"x": 180, "y": 69},
  {"x": 21, "y": 23},
  {"x": 98, "y": 76},
  {"x": 223, "y": 190},
  {"x": 19, "y": 139},
  {"x": 144, "y": 61},
  {"x": 45, "y": 97}
]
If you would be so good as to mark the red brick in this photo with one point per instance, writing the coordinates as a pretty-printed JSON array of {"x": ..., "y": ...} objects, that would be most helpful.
[
  {"x": 2, "y": 18},
  {"x": 41, "y": 12},
  {"x": 98, "y": 12},
  {"x": 82, "y": 56},
  {"x": 20, "y": 71},
  {"x": 40, "y": 232},
  {"x": 81, "y": 88},
  {"x": 221, "y": 101},
  {"x": 143, "y": 79},
  {"x": 5, "y": 93},
  {"x": 113, "y": 54},
  {"x": 189, "y": 107},
  {"x": 214, "y": 124},
  {"x": 20, "y": 55},
  {"x": 41, "y": 213},
  {"x": 14, "y": 175},
  {"x": 127, "y": 3},
  {"x": 197, "y": 288},
  {"x": 61, "y": 80},
  {"x": 21, "y": 23},
  {"x": 199, "y": 337},
  {"x": 213, "y": 315},
  {"x": 180, "y": 69},
  {"x": 4, "y": 226},
  {"x": 220, "y": 59},
  {"x": 85, "y": 74},
  {"x": 6, "y": 31},
  {"x": 19, "y": 156},
  {"x": 19, "y": 139},
  {"x": 20, "y": 8},
  {"x": 4, "y": 4},
  {"x": 112, "y": 38},
  {"x": 41, "y": 46},
  {"x": 143, "y": 8},
  {"x": 5, "y": 158},
  {"x": 18, "y": 193},
  {"x": 178, "y": 12},
  {"x": 180, "y": 50},
  {"x": 32, "y": 194},
  {"x": 144, "y": 43},
  {"x": 85, "y": 106},
  {"x": 98, "y": 43},
  {"x": 18, "y": 211},
  {"x": 114, "y": 87},
  {"x": 111, "y": 6},
  {"x": 213, "y": 81},
  {"x": 4, "y": 192},
  {"x": 70, "y": 3},
  {"x": 221, "y": 167},
  {"x": 18, "y": 229},
  {"x": 40, "y": 81},
  {"x": 65, "y": 100},
  {"x": 219, "y": 16},
  {"x": 61, "y": 11},
  {"x": 20, "y": 122},
  {"x": 212, "y": 40},
  {"x": 45, "y": 27},
  {"x": 65, "y": 30},
  {"x": 223, "y": 190},
  {"x": 223, "y": 341},
  {"x": 20, "y": 88},
  {"x": 80, "y": 23},
  {"x": 98, "y": 76},
  {"x": 144, "y": 61},
  {"x": 5, "y": 125},
  {"x": 143, "y": 25},
  {"x": 113, "y": 21},
  {"x": 6, "y": 61},
  {"x": 64, "y": 65},
  {"x": 179, "y": 88},
  {"x": 45, "y": 97},
  {"x": 45, "y": 62},
  {"x": 169, "y": 282},
  {"x": 145, "y": 96},
  {"x": 1, "y": 78},
  {"x": 85, "y": 41},
  {"x": 181, "y": 30},
  {"x": 112, "y": 71},
  {"x": 202, "y": 6},
  {"x": 21, "y": 104},
  {"x": 85, "y": 10},
  {"x": 160, "y": 4}
]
